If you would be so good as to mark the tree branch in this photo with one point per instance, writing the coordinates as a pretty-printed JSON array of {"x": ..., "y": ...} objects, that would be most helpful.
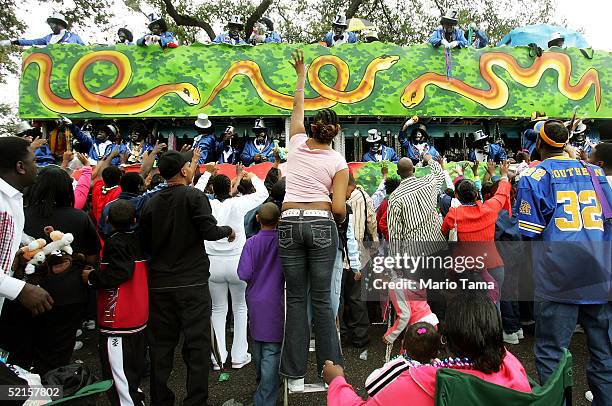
[
  {"x": 256, "y": 16},
  {"x": 353, "y": 8},
  {"x": 189, "y": 21}
]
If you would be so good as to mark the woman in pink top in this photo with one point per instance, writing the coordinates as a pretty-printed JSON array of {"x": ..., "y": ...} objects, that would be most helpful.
[
  {"x": 473, "y": 333},
  {"x": 307, "y": 234}
]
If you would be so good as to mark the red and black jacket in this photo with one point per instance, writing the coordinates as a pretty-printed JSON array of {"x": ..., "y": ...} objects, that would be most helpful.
[{"x": 123, "y": 293}]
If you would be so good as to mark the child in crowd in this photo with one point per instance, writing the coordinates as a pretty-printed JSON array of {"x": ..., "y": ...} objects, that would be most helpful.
[
  {"x": 123, "y": 306},
  {"x": 261, "y": 268},
  {"x": 410, "y": 307},
  {"x": 420, "y": 346}
]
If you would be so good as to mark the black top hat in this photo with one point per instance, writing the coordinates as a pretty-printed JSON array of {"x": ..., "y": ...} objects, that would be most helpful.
[
  {"x": 155, "y": 19},
  {"x": 128, "y": 34},
  {"x": 421, "y": 128}
]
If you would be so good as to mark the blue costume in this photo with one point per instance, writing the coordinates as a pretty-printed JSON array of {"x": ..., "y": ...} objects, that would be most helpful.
[
  {"x": 227, "y": 154},
  {"x": 347, "y": 38},
  {"x": 44, "y": 156},
  {"x": 165, "y": 38},
  {"x": 208, "y": 145},
  {"x": 387, "y": 154},
  {"x": 94, "y": 146},
  {"x": 68, "y": 38},
  {"x": 413, "y": 152},
  {"x": 250, "y": 150},
  {"x": 528, "y": 140},
  {"x": 481, "y": 40},
  {"x": 436, "y": 37},
  {"x": 496, "y": 153},
  {"x": 224, "y": 38}
]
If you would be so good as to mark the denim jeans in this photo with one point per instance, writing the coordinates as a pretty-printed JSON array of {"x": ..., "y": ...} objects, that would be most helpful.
[
  {"x": 307, "y": 248},
  {"x": 267, "y": 358},
  {"x": 555, "y": 324},
  {"x": 511, "y": 316},
  {"x": 498, "y": 275},
  {"x": 335, "y": 289}
]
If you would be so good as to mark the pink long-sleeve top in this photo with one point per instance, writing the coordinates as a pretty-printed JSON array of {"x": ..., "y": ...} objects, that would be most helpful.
[
  {"x": 417, "y": 386},
  {"x": 81, "y": 190}
]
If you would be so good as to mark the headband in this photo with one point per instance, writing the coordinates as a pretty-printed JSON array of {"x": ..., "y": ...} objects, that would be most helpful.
[{"x": 549, "y": 141}]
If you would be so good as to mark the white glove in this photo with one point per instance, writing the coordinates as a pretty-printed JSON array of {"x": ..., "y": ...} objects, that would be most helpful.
[
  {"x": 444, "y": 42},
  {"x": 5, "y": 42},
  {"x": 453, "y": 44},
  {"x": 155, "y": 38},
  {"x": 66, "y": 120}
]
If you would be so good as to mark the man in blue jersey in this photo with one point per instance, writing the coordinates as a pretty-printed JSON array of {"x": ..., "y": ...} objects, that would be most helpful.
[{"x": 564, "y": 205}]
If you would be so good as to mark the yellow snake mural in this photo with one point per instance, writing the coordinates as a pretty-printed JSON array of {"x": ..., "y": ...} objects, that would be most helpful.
[
  {"x": 497, "y": 95},
  {"x": 328, "y": 96},
  {"x": 104, "y": 101}
]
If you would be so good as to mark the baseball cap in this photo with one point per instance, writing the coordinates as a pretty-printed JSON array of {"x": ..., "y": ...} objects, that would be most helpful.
[{"x": 171, "y": 163}]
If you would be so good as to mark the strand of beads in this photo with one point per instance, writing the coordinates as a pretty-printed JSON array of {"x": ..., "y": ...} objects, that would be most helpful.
[{"x": 454, "y": 363}]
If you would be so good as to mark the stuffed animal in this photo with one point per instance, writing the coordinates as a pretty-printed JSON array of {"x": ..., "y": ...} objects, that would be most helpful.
[
  {"x": 34, "y": 252},
  {"x": 60, "y": 242}
]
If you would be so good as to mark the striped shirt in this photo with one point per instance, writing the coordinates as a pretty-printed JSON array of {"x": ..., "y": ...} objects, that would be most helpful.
[
  {"x": 413, "y": 215},
  {"x": 12, "y": 220}
]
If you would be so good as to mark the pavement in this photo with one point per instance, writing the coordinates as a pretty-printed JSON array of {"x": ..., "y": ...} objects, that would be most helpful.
[{"x": 238, "y": 390}]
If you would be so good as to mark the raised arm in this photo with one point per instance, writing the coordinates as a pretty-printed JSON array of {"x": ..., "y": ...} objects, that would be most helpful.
[
  {"x": 297, "y": 115},
  {"x": 103, "y": 164},
  {"x": 147, "y": 163}
]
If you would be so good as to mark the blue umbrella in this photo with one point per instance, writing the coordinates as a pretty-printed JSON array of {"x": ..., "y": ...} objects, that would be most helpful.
[{"x": 540, "y": 34}]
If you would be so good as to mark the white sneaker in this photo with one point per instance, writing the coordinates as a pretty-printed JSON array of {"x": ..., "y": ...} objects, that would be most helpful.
[
  {"x": 89, "y": 325},
  {"x": 511, "y": 338},
  {"x": 589, "y": 396},
  {"x": 78, "y": 345},
  {"x": 296, "y": 385},
  {"x": 520, "y": 334},
  {"x": 79, "y": 333},
  {"x": 238, "y": 365}
]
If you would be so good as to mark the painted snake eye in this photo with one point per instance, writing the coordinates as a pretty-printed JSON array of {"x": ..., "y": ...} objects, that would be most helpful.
[
  {"x": 186, "y": 91},
  {"x": 413, "y": 95}
]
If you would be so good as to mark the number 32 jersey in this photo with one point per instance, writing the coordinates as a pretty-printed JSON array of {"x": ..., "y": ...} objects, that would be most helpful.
[{"x": 572, "y": 251}]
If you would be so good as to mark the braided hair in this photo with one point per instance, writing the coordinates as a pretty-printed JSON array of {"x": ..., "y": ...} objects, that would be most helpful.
[
  {"x": 221, "y": 186},
  {"x": 325, "y": 127}
]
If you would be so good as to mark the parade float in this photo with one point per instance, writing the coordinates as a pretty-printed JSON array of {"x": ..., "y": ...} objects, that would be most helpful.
[{"x": 375, "y": 85}]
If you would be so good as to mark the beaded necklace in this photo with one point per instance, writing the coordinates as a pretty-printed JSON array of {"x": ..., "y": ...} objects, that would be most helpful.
[{"x": 450, "y": 362}]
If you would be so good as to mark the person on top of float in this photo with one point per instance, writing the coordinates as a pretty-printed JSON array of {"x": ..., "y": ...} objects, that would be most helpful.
[
  {"x": 43, "y": 153},
  {"x": 368, "y": 36},
  {"x": 556, "y": 40},
  {"x": 339, "y": 35},
  {"x": 480, "y": 39},
  {"x": 235, "y": 27},
  {"x": 484, "y": 151},
  {"x": 205, "y": 140},
  {"x": 125, "y": 36},
  {"x": 227, "y": 153},
  {"x": 448, "y": 35},
  {"x": 59, "y": 34},
  {"x": 377, "y": 151},
  {"x": 260, "y": 149},
  {"x": 135, "y": 144},
  {"x": 578, "y": 139},
  {"x": 159, "y": 34},
  {"x": 264, "y": 33},
  {"x": 418, "y": 144}
]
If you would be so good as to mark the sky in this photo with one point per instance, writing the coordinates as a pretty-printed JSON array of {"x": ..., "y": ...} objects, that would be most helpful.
[{"x": 592, "y": 16}]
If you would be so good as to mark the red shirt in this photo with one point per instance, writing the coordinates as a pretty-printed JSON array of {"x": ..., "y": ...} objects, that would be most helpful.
[
  {"x": 381, "y": 218},
  {"x": 477, "y": 223},
  {"x": 100, "y": 196}
]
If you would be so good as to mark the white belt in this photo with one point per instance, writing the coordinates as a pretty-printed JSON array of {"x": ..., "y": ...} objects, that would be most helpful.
[{"x": 307, "y": 213}]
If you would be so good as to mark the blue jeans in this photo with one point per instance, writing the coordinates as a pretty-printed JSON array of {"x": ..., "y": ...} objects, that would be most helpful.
[
  {"x": 498, "y": 275},
  {"x": 555, "y": 324},
  {"x": 308, "y": 247},
  {"x": 267, "y": 359}
]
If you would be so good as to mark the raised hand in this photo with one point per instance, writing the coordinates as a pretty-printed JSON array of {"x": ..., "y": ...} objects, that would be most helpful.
[
  {"x": 37, "y": 143},
  {"x": 211, "y": 167},
  {"x": 298, "y": 62},
  {"x": 83, "y": 159},
  {"x": 504, "y": 168},
  {"x": 491, "y": 167},
  {"x": 384, "y": 170},
  {"x": 158, "y": 147},
  {"x": 239, "y": 170},
  {"x": 475, "y": 165},
  {"x": 197, "y": 152},
  {"x": 185, "y": 148}
]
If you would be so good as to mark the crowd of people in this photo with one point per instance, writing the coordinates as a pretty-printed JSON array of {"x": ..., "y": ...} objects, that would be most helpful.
[
  {"x": 146, "y": 257},
  {"x": 448, "y": 35}
]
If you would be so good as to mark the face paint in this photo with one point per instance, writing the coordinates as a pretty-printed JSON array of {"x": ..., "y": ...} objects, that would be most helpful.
[
  {"x": 155, "y": 29},
  {"x": 122, "y": 37},
  {"x": 375, "y": 147},
  {"x": 418, "y": 137},
  {"x": 234, "y": 31},
  {"x": 135, "y": 136},
  {"x": 260, "y": 137},
  {"x": 338, "y": 30},
  {"x": 102, "y": 135}
]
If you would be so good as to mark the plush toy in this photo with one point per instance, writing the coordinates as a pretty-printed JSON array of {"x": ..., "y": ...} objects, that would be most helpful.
[
  {"x": 59, "y": 242},
  {"x": 34, "y": 252}
]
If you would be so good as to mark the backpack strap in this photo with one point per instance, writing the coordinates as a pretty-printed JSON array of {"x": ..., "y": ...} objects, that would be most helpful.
[{"x": 603, "y": 200}]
